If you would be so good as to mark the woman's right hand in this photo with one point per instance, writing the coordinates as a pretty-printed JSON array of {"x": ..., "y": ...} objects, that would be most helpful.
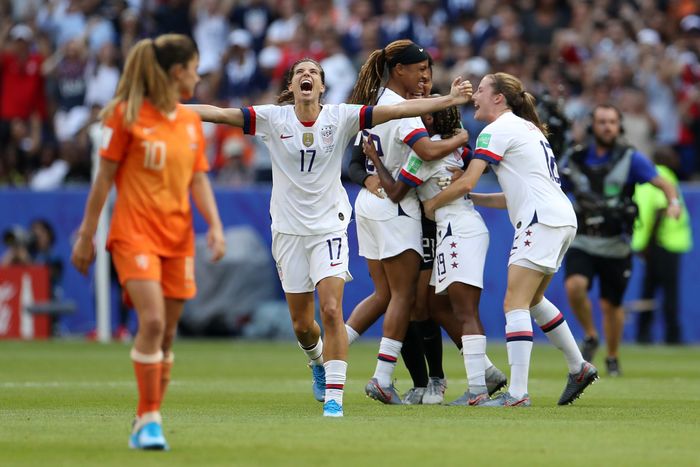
[
  {"x": 444, "y": 182},
  {"x": 83, "y": 253},
  {"x": 461, "y": 91}
]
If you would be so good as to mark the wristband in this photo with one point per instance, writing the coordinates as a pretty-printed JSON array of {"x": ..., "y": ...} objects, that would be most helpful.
[{"x": 674, "y": 202}]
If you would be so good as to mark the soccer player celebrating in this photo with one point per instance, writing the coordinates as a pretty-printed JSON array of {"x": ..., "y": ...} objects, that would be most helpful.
[
  {"x": 388, "y": 232},
  {"x": 309, "y": 207},
  {"x": 460, "y": 255},
  {"x": 153, "y": 149},
  {"x": 544, "y": 220}
]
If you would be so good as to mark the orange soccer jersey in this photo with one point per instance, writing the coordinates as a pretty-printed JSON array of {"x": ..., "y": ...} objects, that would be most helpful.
[{"x": 157, "y": 157}]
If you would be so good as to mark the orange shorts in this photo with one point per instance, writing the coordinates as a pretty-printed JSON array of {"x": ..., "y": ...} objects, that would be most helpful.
[{"x": 175, "y": 275}]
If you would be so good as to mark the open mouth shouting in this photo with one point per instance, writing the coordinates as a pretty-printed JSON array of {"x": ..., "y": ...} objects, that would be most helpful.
[{"x": 307, "y": 86}]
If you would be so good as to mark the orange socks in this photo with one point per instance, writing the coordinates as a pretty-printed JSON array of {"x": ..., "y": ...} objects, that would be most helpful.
[{"x": 149, "y": 373}]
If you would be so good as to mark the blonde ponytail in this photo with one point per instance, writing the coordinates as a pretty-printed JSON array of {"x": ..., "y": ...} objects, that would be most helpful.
[{"x": 146, "y": 75}]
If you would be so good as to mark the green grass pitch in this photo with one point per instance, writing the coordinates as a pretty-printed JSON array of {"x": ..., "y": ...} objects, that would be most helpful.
[{"x": 250, "y": 403}]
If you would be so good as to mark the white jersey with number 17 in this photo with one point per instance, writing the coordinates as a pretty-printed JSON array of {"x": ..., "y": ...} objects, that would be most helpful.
[
  {"x": 307, "y": 195},
  {"x": 526, "y": 169}
]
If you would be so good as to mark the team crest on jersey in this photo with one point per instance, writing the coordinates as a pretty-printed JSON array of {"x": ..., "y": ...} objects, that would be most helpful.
[
  {"x": 141, "y": 261},
  {"x": 307, "y": 139},
  {"x": 327, "y": 134}
]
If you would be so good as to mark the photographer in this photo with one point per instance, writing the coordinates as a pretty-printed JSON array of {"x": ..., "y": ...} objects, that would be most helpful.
[{"x": 601, "y": 177}]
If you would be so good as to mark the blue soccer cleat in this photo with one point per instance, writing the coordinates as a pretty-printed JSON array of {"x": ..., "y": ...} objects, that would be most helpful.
[
  {"x": 319, "y": 382},
  {"x": 332, "y": 409},
  {"x": 149, "y": 437}
]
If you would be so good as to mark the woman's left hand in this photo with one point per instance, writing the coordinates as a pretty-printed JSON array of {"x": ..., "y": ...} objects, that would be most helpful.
[{"x": 216, "y": 243}]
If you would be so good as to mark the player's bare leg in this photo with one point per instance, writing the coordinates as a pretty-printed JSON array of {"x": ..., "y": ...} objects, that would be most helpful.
[
  {"x": 402, "y": 273},
  {"x": 368, "y": 311},
  {"x": 330, "y": 295}
]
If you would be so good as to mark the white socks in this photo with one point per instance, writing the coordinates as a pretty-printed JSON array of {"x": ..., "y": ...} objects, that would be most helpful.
[
  {"x": 389, "y": 351},
  {"x": 336, "y": 371},
  {"x": 352, "y": 334},
  {"x": 550, "y": 320},
  {"x": 315, "y": 352},
  {"x": 474, "y": 351},
  {"x": 519, "y": 345}
]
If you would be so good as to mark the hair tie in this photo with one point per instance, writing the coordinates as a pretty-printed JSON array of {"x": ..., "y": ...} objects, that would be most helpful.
[{"x": 522, "y": 94}]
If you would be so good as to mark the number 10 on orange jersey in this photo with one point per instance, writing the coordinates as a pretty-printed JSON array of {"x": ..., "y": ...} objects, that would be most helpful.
[{"x": 154, "y": 154}]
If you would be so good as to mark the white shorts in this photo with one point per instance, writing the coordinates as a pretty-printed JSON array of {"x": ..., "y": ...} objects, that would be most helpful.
[
  {"x": 460, "y": 259},
  {"x": 386, "y": 239},
  {"x": 302, "y": 261},
  {"x": 541, "y": 247}
]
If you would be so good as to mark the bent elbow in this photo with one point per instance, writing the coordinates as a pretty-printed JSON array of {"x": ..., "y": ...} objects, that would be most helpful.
[{"x": 466, "y": 188}]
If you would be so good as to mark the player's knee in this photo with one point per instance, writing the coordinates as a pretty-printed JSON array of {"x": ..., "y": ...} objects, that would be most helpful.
[
  {"x": 331, "y": 310},
  {"x": 152, "y": 326},
  {"x": 576, "y": 286},
  {"x": 302, "y": 326},
  {"x": 382, "y": 297}
]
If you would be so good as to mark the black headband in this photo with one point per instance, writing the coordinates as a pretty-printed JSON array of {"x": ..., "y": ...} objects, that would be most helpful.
[{"x": 409, "y": 55}]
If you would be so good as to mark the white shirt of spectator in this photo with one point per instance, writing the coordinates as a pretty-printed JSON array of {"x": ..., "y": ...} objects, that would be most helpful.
[
  {"x": 393, "y": 141},
  {"x": 307, "y": 195},
  {"x": 458, "y": 216},
  {"x": 527, "y": 172}
]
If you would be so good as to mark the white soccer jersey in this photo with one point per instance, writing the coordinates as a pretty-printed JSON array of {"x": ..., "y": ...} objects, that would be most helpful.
[
  {"x": 307, "y": 195},
  {"x": 457, "y": 218},
  {"x": 393, "y": 140},
  {"x": 527, "y": 172}
]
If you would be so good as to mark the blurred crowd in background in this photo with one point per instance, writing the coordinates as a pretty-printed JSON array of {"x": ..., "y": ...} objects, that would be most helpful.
[{"x": 61, "y": 59}]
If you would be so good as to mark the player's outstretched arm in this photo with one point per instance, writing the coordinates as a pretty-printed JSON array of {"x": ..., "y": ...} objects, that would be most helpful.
[
  {"x": 213, "y": 114},
  {"x": 460, "y": 93},
  {"x": 464, "y": 185},
  {"x": 489, "y": 200},
  {"x": 83, "y": 253}
]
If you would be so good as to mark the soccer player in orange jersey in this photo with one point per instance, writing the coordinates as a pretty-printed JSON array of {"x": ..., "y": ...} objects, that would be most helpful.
[{"x": 153, "y": 150}]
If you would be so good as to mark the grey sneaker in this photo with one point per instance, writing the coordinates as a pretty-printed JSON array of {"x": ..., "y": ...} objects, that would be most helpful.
[
  {"x": 577, "y": 383},
  {"x": 495, "y": 380},
  {"x": 414, "y": 396},
  {"x": 613, "y": 366},
  {"x": 385, "y": 395},
  {"x": 506, "y": 400},
  {"x": 435, "y": 392},
  {"x": 589, "y": 347},
  {"x": 469, "y": 399}
]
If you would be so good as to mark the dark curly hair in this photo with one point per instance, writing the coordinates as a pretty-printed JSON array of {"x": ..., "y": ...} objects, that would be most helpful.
[{"x": 446, "y": 122}]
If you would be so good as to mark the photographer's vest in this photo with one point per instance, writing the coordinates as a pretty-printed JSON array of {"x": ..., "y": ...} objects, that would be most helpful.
[{"x": 602, "y": 201}]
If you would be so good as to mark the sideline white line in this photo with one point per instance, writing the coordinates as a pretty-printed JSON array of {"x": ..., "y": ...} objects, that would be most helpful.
[{"x": 65, "y": 384}]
